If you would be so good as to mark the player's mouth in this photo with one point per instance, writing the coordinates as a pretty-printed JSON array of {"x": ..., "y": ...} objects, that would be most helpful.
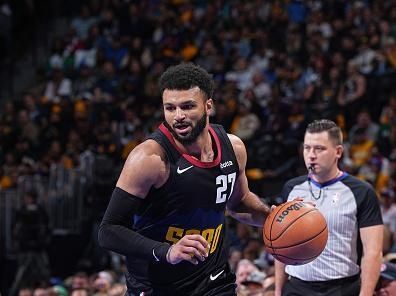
[{"x": 182, "y": 128}]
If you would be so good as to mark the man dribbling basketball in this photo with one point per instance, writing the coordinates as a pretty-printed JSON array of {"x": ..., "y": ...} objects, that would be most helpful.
[
  {"x": 350, "y": 262},
  {"x": 167, "y": 213}
]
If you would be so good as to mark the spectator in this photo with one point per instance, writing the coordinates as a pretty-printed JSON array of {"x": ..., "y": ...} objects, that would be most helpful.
[
  {"x": 387, "y": 280},
  {"x": 31, "y": 232},
  {"x": 41, "y": 292},
  {"x": 83, "y": 22},
  {"x": 364, "y": 121},
  {"x": 388, "y": 210},
  {"x": 351, "y": 95},
  {"x": 246, "y": 123},
  {"x": 58, "y": 86},
  {"x": 25, "y": 292},
  {"x": 244, "y": 268}
]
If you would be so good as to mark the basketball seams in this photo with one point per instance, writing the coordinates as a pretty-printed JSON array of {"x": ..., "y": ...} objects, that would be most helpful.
[
  {"x": 287, "y": 230},
  {"x": 302, "y": 242},
  {"x": 272, "y": 222},
  {"x": 291, "y": 223},
  {"x": 297, "y": 261},
  {"x": 270, "y": 228}
]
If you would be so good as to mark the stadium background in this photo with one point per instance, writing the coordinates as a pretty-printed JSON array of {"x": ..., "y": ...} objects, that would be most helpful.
[{"x": 79, "y": 90}]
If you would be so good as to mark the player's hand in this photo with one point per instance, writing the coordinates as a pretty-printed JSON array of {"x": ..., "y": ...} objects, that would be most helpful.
[{"x": 191, "y": 248}]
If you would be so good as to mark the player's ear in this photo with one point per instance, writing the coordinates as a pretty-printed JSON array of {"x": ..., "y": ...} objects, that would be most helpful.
[{"x": 209, "y": 106}]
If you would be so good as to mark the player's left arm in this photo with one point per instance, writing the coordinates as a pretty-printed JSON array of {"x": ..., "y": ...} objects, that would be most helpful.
[
  {"x": 372, "y": 238},
  {"x": 244, "y": 205}
]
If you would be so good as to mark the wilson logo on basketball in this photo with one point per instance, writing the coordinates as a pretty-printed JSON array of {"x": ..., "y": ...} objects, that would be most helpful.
[{"x": 293, "y": 207}]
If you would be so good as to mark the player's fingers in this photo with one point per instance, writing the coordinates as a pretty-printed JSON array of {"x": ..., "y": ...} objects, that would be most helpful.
[
  {"x": 198, "y": 238},
  {"x": 193, "y": 252},
  {"x": 198, "y": 242}
]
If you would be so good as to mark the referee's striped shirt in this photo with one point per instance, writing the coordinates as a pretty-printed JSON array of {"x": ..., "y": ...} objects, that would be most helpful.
[{"x": 347, "y": 204}]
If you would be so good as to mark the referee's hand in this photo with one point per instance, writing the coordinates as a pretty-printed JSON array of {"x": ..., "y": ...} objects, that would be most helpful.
[{"x": 191, "y": 248}]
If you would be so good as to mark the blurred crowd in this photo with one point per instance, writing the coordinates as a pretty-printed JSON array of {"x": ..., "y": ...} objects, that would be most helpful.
[{"x": 277, "y": 65}]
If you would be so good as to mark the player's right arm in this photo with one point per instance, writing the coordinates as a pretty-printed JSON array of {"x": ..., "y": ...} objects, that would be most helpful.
[
  {"x": 145, "y": 167},
  {"x": 280, "y": 277}
]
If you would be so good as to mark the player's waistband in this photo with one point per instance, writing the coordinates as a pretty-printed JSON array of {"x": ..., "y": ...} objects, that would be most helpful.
[{"x": 339, "y": 281}]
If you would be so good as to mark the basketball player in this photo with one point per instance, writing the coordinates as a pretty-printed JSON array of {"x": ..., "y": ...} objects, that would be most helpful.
[
  {"x": 167, "y": 212},
  {"x": 350, "y": 263}
]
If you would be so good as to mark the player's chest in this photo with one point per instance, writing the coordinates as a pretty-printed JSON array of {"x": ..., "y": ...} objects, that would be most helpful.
[{"x": 212, "y": 185}]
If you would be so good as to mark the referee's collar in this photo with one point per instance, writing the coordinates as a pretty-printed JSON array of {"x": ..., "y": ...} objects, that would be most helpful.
[{"x": 327, "y": 183}]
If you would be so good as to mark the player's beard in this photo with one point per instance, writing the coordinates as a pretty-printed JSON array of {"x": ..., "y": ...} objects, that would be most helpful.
[{"x": 192, "y": 136}]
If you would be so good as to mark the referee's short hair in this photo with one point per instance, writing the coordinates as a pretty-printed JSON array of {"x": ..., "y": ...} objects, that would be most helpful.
[{"x": 326, "y": 125}]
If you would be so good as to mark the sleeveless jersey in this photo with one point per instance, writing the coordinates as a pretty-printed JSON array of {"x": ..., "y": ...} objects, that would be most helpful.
[{"x": 192, "y": 201}]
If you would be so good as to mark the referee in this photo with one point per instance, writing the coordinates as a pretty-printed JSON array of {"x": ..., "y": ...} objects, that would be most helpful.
[{"x": 350, "y": 263}]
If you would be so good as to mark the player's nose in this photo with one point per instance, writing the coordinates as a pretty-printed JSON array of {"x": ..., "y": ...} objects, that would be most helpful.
[{"x": 179, "y": 114}]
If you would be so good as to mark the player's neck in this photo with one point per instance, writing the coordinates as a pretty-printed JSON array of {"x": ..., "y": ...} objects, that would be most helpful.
[{"x": 202, "y": 149}]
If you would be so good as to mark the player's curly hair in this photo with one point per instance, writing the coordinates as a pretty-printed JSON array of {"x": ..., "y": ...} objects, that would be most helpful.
[{"x": 185, "y": 76}]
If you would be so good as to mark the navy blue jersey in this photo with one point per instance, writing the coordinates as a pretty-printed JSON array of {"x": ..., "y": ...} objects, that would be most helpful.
[{"x": 192, "y": 201}]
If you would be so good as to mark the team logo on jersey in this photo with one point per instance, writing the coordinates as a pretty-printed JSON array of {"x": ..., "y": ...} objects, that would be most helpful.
[
  {"x": 226, "y": 164},
  {"x": 336, "y": 198}
]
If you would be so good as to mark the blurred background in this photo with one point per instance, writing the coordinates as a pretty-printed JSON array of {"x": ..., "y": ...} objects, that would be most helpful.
[{"x": 78, "y": 91}]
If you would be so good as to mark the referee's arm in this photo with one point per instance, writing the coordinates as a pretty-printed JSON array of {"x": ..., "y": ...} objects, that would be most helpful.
[
  {"x": 372, "y": 238},
  {"x": 280, "y": 277}
]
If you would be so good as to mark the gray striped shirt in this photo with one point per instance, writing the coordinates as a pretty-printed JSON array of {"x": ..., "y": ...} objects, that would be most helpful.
[{"x": 347, "y": 204}]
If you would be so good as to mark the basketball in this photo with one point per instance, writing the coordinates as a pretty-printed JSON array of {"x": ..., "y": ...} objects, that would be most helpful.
[{"x": 295, "y": 233}]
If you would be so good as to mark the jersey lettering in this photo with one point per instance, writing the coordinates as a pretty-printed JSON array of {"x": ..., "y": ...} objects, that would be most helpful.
[
  {"x": 224, "y": 181},
  {"x": 211, "y": 235}
]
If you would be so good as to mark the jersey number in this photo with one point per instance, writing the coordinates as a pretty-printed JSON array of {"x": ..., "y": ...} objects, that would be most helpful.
[{"x": 224, "y": 181}]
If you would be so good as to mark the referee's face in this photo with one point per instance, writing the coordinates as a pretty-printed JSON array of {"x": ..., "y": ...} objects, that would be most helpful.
[{"x": 322, "y": 155}]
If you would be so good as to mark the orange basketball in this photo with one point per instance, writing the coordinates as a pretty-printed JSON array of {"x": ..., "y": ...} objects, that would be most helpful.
[{"x": 295, "y": 233}]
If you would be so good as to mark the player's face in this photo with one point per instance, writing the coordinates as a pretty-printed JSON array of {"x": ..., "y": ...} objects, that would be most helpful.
[
  {"x": 186, "y": 113},
  {"x": 321, "y": 154}
]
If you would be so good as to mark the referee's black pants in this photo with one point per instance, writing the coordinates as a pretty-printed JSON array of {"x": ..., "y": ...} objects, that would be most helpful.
[{"x": 349, "y": 286}]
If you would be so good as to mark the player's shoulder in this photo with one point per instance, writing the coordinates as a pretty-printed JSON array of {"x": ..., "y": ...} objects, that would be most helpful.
[
  {"x": 149, "y": 152},
  {"x": 236, "y": 142},
  {"x": 146, "y": 166},
  {"x": 239, "y": 149}
]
